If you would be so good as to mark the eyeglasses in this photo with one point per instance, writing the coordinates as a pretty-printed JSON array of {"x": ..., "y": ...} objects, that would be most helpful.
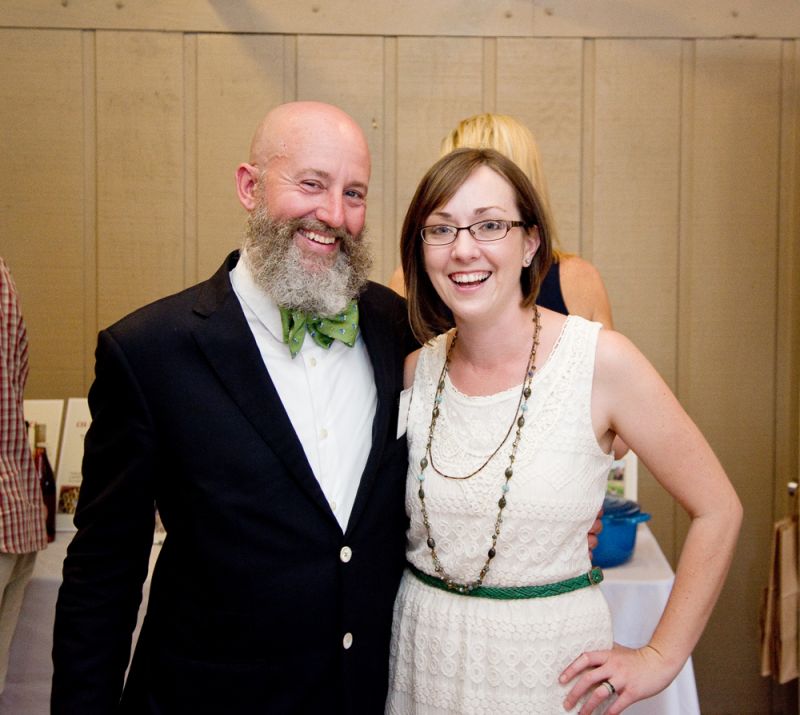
[{"x": 488, "y": 230}]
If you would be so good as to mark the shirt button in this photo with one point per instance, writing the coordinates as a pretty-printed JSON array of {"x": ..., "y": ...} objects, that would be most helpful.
[
  {"x": 345, "y": 554},
  {"x": 323, "y": 433},
  {"x": 333, "y": 505},
  {"x": 313, "y": 362},
  {"x": 347, "y": 641}
]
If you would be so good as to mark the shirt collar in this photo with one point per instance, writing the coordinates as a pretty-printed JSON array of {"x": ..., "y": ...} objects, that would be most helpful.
[{"x": 252, "y": 295}]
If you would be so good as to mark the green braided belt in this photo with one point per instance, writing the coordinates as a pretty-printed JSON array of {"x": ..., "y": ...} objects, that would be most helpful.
[{"x": 505, "y": 593}]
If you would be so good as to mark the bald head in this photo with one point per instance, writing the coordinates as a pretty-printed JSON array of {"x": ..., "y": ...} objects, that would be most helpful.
[{"x": 298, "y": 122}]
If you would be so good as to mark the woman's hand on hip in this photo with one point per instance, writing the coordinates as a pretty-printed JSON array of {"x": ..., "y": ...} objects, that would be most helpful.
[{"x": 627, "y": 674}]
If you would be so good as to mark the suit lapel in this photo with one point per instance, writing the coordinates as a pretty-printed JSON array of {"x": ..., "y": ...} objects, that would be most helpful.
[
  {"x": 225, "y": 339},
  {"x": 380, "y": 348}
]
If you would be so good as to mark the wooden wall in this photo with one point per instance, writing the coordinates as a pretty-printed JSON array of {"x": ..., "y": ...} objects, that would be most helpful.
[{"x": 670, "y": 140}]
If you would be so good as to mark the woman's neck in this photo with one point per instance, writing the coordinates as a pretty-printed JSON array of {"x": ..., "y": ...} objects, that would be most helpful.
[{"x": 491, "y": 357}]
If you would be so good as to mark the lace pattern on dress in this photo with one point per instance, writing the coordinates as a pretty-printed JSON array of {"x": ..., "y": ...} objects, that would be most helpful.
[{"x": 455, "y": 654}]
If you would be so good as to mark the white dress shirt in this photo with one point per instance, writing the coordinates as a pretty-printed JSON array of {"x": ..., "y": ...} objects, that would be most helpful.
[{"x": 329, "y": 395}]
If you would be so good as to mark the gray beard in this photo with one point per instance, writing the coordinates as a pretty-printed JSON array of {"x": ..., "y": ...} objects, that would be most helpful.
[{"x": 316, "y": 284}]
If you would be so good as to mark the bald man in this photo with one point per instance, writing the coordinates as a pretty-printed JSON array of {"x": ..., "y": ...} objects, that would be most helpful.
[{"x": 258, "y": 411}]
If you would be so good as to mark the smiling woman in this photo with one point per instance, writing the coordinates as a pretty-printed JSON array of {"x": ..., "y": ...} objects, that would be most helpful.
[{"x": 512, "y": 413}]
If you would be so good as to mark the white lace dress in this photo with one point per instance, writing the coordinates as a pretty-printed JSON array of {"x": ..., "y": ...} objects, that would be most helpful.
[{"x": 468, "y": 655}]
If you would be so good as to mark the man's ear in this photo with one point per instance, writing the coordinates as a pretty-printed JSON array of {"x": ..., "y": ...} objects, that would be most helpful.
[{"x": 246, "y": 184}]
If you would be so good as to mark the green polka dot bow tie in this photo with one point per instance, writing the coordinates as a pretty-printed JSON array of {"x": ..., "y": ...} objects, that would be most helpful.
[{"x": 323, "y": 329}]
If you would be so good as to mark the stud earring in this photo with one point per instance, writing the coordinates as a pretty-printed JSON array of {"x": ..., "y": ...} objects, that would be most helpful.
[{"x": 527, "y": 261}]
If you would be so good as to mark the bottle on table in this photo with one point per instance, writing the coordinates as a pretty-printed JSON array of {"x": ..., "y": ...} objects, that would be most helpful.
[{"x": 47, "y": 479}]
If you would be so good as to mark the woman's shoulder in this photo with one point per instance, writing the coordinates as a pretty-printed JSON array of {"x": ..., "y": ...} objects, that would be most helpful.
[
  {"x": 432, "y": 352},
  {"x": 410, "y": 368},
  {"x": 617, "y": 357},
  {"x": 583, "y": 290}
]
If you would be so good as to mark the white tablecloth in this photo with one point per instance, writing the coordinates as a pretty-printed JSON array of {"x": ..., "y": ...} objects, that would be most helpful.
[{"x": 636, "y": 592}]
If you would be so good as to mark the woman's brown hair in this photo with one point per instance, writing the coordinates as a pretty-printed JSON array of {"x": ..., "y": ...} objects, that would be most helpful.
[{"x": 427, "y": 313}]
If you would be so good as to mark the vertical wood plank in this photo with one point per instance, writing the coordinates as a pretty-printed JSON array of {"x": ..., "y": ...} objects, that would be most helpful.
[
  {"x": 787, "y": 368},
  {"x": 539, "y": 82},
  {"x": 588, "y": 127},
  {"x": 348, "y": 72},
  {"x": 635, "y": 173},
  {"x": 788, "y": 312},
  {"x": 190, "y": 272},
  {"x": 440, "y": 81},
  {"x": 139, "y": 169},
  {"x": 490, "y": 76},
  {"x": 290, "y": 68},
  {"x": 390, "y": 236},
  {"x": 728, "y": 329},
  {"x": 41, "y": 209},
  {"x": 89, "y": 96},
  {"x": 239, "y": 79}
]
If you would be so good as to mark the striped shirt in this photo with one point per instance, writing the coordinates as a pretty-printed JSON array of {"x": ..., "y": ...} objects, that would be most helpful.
[{"x": 22, "y": 512}]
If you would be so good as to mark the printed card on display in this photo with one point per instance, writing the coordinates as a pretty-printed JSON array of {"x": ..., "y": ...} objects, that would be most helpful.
[
  {"x": 49, "y": 414},
  {"x": 68, "y": 475}
]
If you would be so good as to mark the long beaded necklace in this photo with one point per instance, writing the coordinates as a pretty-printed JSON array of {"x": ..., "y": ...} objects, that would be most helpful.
[{"x": 522, "y": 408}]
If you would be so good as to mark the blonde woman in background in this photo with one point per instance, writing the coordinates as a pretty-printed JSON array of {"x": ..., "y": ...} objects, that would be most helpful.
[{"x": 572, "y": 286}]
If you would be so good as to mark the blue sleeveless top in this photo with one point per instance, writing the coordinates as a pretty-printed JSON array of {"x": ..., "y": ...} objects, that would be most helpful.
[{"x": 550, "y": 295}]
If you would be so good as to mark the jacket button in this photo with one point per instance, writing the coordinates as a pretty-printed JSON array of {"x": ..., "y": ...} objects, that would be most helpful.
[
  {"x": 347, "y": 641},
  {"x": 345, "y": 554}
]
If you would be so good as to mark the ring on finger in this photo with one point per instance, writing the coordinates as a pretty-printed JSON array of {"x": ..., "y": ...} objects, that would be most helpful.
[{"x": 611, "y": 689}]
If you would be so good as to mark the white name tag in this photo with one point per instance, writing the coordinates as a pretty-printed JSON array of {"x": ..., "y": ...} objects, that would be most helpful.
[{"x": 402, "y": 416}]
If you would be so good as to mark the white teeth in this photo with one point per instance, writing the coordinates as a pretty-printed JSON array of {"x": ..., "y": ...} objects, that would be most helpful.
[
  {"x": 319, "y": 238},
  {"x": 470, "y": 277}
]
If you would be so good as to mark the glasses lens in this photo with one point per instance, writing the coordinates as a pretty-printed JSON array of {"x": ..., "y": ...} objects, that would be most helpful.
[
  {"x": 490, "y": 230},
  {"x": 438, "y": 234}
]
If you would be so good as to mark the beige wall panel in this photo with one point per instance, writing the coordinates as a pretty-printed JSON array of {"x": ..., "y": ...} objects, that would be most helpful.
[
  {"x": 349, "y": 72},
  {"x": 510, "y": 18},
  {"x": 656, "y": 18},
  {"x": 634, "y": 172},
  {"x": 390, "y": 210},
  {"x": 139, "y": 169},
  {"x": 788, "y": 312},
  {"x": 539, "y": 81},
  {"x": 439, "y": 82},
  {"x": 239, "y": 79},
  {"x": 41, "y": 220},
  {"x": 728, "y": 331},
  {"x": 190, "y": 240},
  {"x": 348, "y": 17}
]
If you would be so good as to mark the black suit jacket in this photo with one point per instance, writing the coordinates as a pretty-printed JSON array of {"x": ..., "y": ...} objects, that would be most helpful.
[{"x": 250, "y": 599}]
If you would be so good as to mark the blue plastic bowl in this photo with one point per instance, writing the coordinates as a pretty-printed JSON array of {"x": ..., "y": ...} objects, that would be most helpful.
[{"x": 618, "y": 538}]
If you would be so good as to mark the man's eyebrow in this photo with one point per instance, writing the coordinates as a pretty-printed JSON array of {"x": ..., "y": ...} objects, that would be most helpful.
[{"x": 315, "y": 172}]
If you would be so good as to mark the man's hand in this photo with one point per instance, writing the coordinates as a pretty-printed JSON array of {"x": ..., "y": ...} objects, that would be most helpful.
[{"x": 594, "y": 530}]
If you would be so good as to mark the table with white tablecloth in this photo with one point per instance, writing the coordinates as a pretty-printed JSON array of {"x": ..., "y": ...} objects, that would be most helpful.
[{"x": 636, "y": 592}]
